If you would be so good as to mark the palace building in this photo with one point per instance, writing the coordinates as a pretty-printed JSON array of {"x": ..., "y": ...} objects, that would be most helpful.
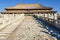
[
  {"x": 30, "y": 9},
  {"x": 19, "y": 22}
]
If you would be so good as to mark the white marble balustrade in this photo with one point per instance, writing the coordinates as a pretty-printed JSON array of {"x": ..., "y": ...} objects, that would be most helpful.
[
  {"x": 10, "y": 21},
  {"x": 10, "y": 27}
]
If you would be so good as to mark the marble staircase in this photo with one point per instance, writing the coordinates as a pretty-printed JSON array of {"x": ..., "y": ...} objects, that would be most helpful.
[
  {"x": 10, "y": 27},
  {"x": 24, "y": 28},
  {"x": 29, "y": 30}
]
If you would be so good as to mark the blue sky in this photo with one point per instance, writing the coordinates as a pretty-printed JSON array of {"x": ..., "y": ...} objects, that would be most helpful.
[{"x": 50, "y": 3}]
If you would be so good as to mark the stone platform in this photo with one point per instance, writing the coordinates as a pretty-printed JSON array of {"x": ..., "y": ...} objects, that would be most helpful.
[{"x": 27, "y": 29}]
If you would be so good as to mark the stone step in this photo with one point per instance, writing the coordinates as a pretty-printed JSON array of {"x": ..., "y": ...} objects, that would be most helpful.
[
  {"x": 29, "y": 30},
  {"x": 5, "y": 33}
]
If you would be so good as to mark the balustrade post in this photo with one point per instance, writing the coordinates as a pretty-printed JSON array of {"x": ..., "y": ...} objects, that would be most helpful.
[
  {"x": 13, "y": 16},
  {"x": 55, "y": 18},
  {"x": 38, "y": 15},
  {"x": 43, "y": 16},
  {"x": 48, "y": 16}
]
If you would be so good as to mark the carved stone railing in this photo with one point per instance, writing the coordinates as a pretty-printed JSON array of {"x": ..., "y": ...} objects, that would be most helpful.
[
  {"x": 5, "y": 24},
  {"x": 51, "y": 21},
  {"x": 5, "y": 18},
  {"x": 10, "y": 27}
]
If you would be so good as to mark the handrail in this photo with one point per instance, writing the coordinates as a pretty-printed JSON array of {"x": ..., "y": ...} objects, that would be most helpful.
[
  {"x": 7, "y": 34},
  {"x": 51, "y": 20},
  {"x": 5, "y": 25}
]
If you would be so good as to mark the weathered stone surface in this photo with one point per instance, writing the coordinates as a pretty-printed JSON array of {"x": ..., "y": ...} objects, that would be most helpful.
[
  {"x": 29, "y": 30},
  {"x": 10, "y": 27}
]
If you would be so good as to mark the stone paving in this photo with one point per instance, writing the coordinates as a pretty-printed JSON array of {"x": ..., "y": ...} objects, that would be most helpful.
[{"x": 29, "y": 29}]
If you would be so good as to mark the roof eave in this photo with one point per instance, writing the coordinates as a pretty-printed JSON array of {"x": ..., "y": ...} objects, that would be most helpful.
[{"x": 30, "y": 9}]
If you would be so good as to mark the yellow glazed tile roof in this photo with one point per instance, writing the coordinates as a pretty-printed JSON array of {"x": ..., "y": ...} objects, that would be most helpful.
[{"x": 28, "y": 6}]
